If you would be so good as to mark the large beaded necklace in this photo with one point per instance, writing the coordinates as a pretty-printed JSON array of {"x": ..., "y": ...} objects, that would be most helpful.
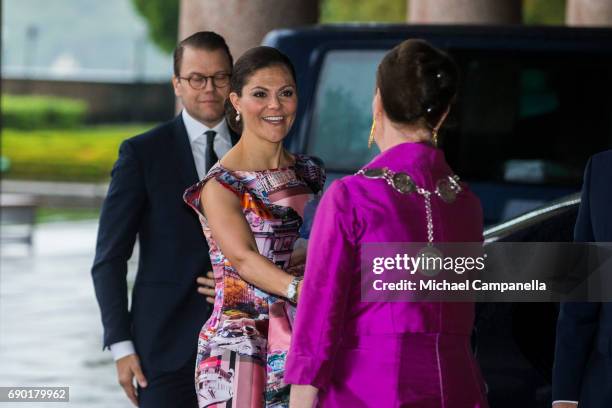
[{"x": 447, "y": 189}]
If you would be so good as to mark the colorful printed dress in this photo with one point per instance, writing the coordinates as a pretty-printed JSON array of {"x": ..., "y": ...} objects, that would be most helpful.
[{"x": 243, "y": 345}]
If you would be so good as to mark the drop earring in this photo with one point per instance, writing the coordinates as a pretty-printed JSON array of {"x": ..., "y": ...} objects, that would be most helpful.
[
  {"x": 237, "y": 116},
  {"x": 434, "y": 130},
  {"x": 371, "y": 138}
]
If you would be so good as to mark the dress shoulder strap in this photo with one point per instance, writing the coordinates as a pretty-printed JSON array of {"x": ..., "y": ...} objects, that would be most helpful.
[{"x": 223, "y": 176}]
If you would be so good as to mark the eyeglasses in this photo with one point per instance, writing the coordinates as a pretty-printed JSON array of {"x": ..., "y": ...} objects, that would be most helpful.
[{"x": 198, "y": 82}]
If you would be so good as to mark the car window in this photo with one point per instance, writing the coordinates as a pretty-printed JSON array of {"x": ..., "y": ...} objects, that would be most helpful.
[
  {"x": 530, "y": 118},
  {"x": 342, "y": 114},
  {"x": 522, "y": 118}
]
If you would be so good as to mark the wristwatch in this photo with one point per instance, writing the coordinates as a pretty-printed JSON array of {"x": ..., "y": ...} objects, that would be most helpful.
[{"x": 292, "y": 289}]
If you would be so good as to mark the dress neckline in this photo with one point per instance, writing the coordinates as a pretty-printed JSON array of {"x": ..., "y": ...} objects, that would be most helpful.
[{"x": 276, "y": 169}]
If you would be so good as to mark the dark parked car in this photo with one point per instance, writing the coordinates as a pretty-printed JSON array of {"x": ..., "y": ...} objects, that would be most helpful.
[
  {"x": 533, "y": 106},
  {"x": 515, "y": 341}
]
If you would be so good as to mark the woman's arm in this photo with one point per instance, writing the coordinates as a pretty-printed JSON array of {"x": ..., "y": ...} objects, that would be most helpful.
[
  {"x": 324, "y": 300},
  {"x": 233, "y": 235}
]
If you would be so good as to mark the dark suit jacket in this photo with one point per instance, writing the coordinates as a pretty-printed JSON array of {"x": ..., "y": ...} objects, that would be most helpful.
[
  {"x": 145, "y": 200},
  {"x": 583, "y": 356}
]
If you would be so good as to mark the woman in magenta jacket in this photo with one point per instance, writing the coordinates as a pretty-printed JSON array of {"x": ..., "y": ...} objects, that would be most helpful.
[{"x": 350, "y": 353}]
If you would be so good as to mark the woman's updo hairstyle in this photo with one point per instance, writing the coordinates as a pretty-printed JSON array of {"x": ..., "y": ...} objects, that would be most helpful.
[
  {"x": 250, "y": 62},
  {"x": 416, "y": 81}
]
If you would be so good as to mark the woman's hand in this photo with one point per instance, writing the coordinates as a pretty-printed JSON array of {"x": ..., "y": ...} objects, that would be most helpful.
[
  {"x": 206, "y": 286},
  {"x": 298, "y": 257},
  {"x": 302, "y": 396},
  {"x": 297, "y": 262},
  {"x": 299, "y": 291}
]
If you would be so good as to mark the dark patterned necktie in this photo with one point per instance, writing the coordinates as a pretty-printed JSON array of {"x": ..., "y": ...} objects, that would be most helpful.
[{"x": 211, "y": 156}]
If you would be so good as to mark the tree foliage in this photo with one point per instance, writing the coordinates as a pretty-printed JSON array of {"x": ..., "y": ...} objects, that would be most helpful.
[
  {"x": 544, "y": 12},
  {"x": 395, "y": 11},
  {"x": 162, "y": 18},
  {"x": 337, "y": 11},
  {"x": 162, "y": 15}
]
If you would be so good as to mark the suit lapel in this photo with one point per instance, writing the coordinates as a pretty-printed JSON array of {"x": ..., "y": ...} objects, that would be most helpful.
[{"x": 183, "y": 153}]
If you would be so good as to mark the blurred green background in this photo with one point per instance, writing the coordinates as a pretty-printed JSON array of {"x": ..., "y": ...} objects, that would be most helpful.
[
  {"x": 46, "y": 138},
  {"x": 395, "y": 11}
]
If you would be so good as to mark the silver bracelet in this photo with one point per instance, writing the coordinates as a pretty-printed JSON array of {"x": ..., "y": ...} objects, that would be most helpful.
[{"x": 292, "y": 291}]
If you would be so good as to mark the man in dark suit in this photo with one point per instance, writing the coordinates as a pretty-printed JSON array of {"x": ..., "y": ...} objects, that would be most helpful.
[
  {"x": 155, "y": 340},
  {"x": 582, "y": 371}
]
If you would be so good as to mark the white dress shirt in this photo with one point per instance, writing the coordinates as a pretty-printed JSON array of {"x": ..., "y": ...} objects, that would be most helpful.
[{"x": 197, "y": 140}]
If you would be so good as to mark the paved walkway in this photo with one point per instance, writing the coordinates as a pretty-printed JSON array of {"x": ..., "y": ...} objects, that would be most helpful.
[
  {"x": 50, "y": 330},
  {"x": 48, "y": 193}
]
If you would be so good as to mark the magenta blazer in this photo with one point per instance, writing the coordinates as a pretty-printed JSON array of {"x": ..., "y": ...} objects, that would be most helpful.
[{"x": 384, "y": 354}]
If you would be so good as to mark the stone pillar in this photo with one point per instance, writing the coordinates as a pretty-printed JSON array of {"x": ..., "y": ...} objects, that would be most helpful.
[
  {"x": 244, "y": 23},
  {"x": 589, "y": 13},
  {"x": 465, "y": 11}
]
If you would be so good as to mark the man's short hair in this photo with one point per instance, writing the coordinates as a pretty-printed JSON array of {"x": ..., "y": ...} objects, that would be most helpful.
[{"x": 202, "y": 40}]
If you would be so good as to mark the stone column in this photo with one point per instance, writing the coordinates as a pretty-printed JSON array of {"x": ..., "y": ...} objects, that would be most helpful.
[
  {"x": 244, "y": 23},
  {"x": 589, "y": 13},
  {"x": 465, "y": 11}
]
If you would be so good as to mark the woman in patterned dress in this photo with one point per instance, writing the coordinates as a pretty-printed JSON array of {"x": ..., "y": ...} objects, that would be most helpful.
[{"x": 251, "y": 206}]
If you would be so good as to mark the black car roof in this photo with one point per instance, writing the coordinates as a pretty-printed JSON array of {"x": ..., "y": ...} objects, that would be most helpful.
[{"x": 478, "y": 36}]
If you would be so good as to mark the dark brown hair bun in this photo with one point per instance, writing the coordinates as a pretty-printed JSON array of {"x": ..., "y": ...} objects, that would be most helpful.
[{"x": 416, "y": 81}]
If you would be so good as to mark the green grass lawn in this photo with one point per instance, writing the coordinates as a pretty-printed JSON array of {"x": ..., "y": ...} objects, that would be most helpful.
[
  {"x": 83, "y": 154},
  {"x": 65, "y": 214}
]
